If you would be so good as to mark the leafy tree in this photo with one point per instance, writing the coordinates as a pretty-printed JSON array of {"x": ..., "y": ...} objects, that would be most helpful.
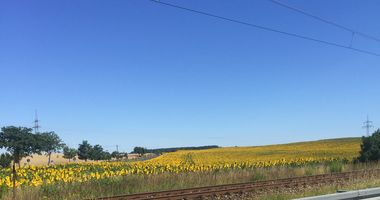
[
  {"x": 159, "y": 151},
  {"x": 5, "y": 160},
  {"x": 119, "y": 155},
  {"x": 49, "y": 142},
  {"x": 69, "y": 153},
  {"x": 140, "y": 150},
  {"x": 370, "y": 148},
  {"x": 84, "y": 150},
  {"x": 106, "y": 155},
  {"x": 19, "y": 142},
  {"x": 97, "y": 153},
  {"x": 115, "y": 154}
]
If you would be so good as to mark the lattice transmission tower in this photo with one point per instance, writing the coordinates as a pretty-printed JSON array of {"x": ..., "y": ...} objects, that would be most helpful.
[
  {"x": 36, "y": 122},
  {"x": 368, "y": 125}
]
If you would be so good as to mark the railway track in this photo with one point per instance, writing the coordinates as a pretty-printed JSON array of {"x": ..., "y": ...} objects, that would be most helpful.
[{"x": 257, "y": 186}]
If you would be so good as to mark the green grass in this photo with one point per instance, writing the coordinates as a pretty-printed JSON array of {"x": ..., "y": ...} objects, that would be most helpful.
[
  {"x": 146, "y": 183},
  {"x": 322, "y": 190}
]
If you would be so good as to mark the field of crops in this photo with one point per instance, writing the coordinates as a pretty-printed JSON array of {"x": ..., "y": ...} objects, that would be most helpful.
[
  {"x": 263, "y": 156},
  {"x": 295, "y": 154}
]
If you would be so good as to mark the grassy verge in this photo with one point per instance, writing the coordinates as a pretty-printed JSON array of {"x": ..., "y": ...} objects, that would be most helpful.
[
  {"x": 320, "y": 190},
  {"x": 167, "y": 181}
]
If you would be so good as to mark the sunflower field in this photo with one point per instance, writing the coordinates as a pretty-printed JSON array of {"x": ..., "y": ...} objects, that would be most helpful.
[{"x": 294, "y": 154}]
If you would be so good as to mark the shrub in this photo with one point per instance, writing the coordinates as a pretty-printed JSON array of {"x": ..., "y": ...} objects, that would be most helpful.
[{"x": 370, "y": 148}]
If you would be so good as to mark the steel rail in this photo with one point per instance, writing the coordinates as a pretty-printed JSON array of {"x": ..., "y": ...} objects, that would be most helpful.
[{"x": 276, "y": 184}]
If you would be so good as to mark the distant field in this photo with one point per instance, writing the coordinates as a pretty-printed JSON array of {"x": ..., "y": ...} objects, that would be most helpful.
[
  {"x": 293, "y": 153},
  {"x": 343, "y": 148},
  {"x": 40, "y": 160},
  {"x": 187, "y": 167}
]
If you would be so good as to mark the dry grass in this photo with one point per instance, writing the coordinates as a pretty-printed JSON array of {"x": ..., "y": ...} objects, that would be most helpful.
[
  {"x": 57, "y": 158},
  {"x": 167, "y": 181},
  {"x": 38, "y": 160},
  {"x": 309, "y": 191}
]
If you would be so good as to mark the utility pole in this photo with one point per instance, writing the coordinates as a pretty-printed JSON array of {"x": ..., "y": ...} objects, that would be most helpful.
[
  {"x": 36, "y": 122},
  {"x": 367, "y": 125}
]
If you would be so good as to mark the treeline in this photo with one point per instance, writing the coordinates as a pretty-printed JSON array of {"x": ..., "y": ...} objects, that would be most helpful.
[
  {"x": 142, "y": 150},
  {"x": 21, "y": 142},
  {"x": 86, "y": 152}
]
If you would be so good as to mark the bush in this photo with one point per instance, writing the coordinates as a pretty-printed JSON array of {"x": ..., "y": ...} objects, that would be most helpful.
[
  {"x": 5, "y": 160},
  {"x": 370, "y": 148}
]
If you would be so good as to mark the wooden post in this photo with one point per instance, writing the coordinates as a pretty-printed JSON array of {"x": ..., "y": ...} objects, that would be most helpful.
[{"x": 14, "y": 180}]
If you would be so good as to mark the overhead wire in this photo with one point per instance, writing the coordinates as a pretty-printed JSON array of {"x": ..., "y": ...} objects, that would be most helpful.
[
  {"x": 355, "y": 32},
  {"x": 266, "y": 28}
]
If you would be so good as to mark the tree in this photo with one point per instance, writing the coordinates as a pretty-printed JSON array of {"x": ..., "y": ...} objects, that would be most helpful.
[
  {"x": 115, "y": 154},
  {"x": 370, "y": 148},
  {"x": 49, "y": 142},
  {"x": 119, "y": 155},
  {"x": 106, "y": 155},
  {"x": 5, "y": 160},
  {"x": 97, "y": 153},
  {"x": 19, "y": 142},
  {"x": 69, "y": 153},
  {"x": 125, "y": 155},
  {"x": 84, "y": 150},
  {"x": 140, "y": 150}
]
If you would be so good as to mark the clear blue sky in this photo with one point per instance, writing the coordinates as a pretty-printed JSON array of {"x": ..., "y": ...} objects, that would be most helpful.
[{"x": 132, "y": 72}]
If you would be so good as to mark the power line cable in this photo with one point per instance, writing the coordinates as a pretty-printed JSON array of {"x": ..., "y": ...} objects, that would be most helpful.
[
  {"x": 266, "y": 28},
  {"x": 355, "y": 32}
]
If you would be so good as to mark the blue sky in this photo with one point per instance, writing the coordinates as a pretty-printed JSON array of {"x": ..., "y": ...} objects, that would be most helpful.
[{"x": 135, "y": 73}]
